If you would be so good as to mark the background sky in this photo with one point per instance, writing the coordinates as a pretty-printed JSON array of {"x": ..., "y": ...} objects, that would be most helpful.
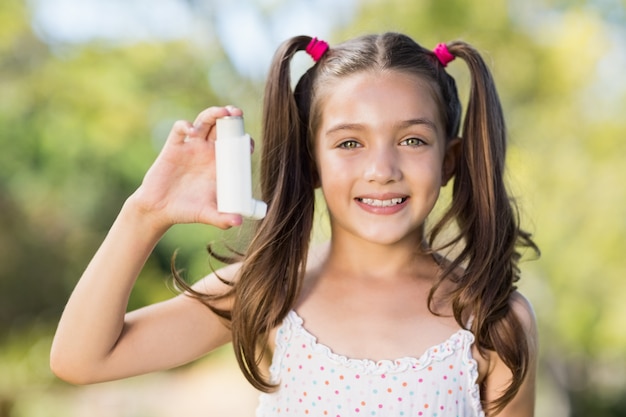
[{"x": 250, "y": 30}]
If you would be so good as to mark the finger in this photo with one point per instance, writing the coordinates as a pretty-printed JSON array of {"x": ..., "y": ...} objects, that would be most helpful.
[
  {"x": 204, "y": 124},
  {"x": 234, "y": 111},
  {"x": 206, "y": 119},
  {"x": 180, "y": 130},
  {"x": 222, "y": 220}
]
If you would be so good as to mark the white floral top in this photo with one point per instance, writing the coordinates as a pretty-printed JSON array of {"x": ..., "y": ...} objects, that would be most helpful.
[{"x": 314, "y": 381}]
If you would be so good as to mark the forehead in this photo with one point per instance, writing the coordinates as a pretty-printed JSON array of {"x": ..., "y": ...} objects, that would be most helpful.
[{"x": 375, "y": 97}]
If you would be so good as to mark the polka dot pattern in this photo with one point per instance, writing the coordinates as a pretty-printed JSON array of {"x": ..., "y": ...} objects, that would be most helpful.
[{"x": 315, "y": 381}]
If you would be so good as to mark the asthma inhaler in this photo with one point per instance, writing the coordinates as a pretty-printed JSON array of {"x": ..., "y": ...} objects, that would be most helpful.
[{"x": 233, "y": 171}]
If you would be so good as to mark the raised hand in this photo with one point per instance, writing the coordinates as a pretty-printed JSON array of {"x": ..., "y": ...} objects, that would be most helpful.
[{"x": 180, "y": 185}]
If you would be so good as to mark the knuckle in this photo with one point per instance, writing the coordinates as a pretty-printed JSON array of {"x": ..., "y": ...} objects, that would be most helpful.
[{"x": 180, "y": 124}]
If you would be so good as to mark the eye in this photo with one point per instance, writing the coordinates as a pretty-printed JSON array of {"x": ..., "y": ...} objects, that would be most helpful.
[
  {"x": 413, "y": 142},
  {"x": 349, "y": 144}
]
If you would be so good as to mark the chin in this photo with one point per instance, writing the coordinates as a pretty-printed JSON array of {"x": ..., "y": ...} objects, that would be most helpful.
[{"x": 389, "y": 238}]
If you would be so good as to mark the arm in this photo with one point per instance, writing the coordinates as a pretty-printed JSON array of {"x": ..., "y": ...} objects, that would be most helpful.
[
  {"x": 96, "y": 340},
  {"x": 499, "y": 376}
]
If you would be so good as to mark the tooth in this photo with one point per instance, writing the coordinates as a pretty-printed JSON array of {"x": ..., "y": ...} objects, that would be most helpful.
[{"x": 382, "y": 203}]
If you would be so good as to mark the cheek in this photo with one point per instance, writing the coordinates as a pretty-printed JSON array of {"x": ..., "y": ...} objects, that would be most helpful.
[
  {"x": 434, "y": 168},
  {"x": 335, "y": 180},
  {"x": 426, "y": 168},
  {"x": 426, "y": 181},
  {"x": 327, "y": 165},
  {"x": 331, "y": 176}
]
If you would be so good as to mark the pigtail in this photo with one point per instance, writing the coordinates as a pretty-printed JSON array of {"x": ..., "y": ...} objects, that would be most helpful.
[
  {"x": 489, "y": 237},
  {"x": 270, "y": 277},
  {"x": 488, "y": 224}
]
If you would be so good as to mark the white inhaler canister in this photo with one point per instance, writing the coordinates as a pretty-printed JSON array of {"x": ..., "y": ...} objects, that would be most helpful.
[{"x": 233, "y": 170}]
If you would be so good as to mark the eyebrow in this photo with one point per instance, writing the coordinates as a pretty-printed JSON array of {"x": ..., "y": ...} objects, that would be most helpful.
[
  {"x": 419, "y": 121},
  {"x": 403, "y": 124}
]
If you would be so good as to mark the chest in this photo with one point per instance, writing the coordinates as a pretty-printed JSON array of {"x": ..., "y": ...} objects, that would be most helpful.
[
  {"x": 311, "y": 376},
  {"x": 374, "y": 322}
]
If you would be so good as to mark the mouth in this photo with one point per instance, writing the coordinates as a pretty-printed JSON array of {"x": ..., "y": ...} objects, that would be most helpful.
[{"x": 382, "y": 203}]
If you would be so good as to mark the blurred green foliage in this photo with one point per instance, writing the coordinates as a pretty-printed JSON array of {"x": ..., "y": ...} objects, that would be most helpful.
[
  {"x": 559, "y": 68},
  {"x": 80, "y": 124}
]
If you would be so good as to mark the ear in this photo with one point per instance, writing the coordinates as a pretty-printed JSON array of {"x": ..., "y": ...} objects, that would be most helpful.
[{"x": 448, "y": 169}]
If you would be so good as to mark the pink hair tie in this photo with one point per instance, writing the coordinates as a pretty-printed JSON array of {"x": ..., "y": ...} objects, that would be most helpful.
[
  {"x": 443, "y": 55},
  {"x": 316, "y": 48}
]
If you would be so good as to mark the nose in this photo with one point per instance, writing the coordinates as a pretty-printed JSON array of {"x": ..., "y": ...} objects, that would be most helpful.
[{"x": 383, "y": 166}]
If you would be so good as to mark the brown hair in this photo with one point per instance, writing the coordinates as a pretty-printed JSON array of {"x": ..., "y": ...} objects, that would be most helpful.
[{"x": 488, "y": 225}]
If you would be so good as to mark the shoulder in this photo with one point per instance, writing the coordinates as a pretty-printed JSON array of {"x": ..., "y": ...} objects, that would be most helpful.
[
  {"x": 499, "y": 376},
  {"x": 219, "y": 279},
  {"x": 217, "y": 284},
  {"x": 523, "y": 310}
]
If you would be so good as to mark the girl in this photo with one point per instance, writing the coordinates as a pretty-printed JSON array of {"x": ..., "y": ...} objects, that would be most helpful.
[{"x": 391, "y": 317}]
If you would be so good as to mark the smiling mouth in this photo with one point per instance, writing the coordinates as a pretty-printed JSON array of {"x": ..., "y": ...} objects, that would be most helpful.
[{"x": 382, "y": 203}]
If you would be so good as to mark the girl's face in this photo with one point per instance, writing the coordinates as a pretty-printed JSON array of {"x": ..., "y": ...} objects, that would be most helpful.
[{"x": 380, "y": 150}]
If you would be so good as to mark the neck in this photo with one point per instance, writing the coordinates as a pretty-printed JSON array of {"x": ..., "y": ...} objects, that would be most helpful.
[{"x": 365, "y": 259}]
